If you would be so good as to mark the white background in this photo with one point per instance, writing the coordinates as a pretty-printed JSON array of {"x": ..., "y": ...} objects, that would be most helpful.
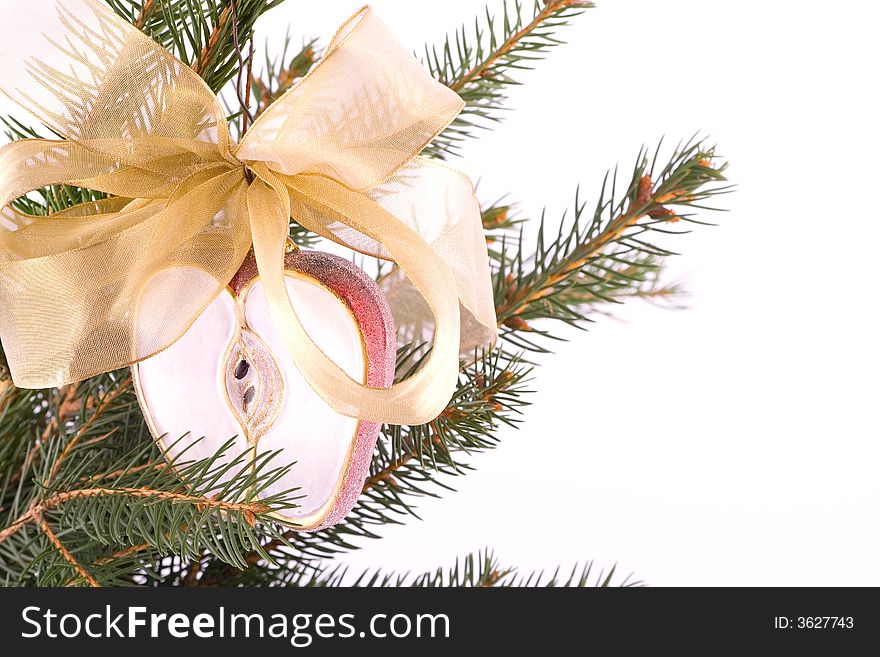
[{"x": 732, "y": 443}]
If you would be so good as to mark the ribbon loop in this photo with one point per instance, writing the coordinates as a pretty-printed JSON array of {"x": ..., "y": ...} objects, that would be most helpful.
[
  {"x": 359, "y": 115},
  {"x": 90, "y": 76}
]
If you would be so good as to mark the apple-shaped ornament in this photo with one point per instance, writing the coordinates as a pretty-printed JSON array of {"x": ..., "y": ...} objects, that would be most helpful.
[
  {"x": 340, "y": 152},
  {"x": 230, "y": 376}
]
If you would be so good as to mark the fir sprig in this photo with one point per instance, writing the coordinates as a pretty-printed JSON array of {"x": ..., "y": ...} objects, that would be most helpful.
[
  {"x": 481, "y": 570},
  {"x": 199, "y": 32},
  {"x": 497, "y": 217},
  {"x": 610, "y": 256},
  {"x": 94, "y": 485},
  {"x": 482, "y": 62}
]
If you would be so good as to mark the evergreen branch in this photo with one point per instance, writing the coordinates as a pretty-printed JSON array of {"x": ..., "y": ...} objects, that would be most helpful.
[
  {"x": 199, "y": 32},
  {"x": 123, "y": 554},
  {"x": 498, "y": 216},
  {"x": 250, "y": 510},
  {"x": 72, "y": 402},
  {"x": 502, "y": 56},
  {"x": 481, "y": 570},
  {"x": 144, "y": 14},
  {"x": 208, "y": 51},
  {"x": 122, "y": 486},
  {"x": 481, "y": 65},
  {"x": 87, "y": 497},
  {"x": 105, "y": 403},
  {"x": 607, "y": 258},
  {"x": 65, "y": 553}
]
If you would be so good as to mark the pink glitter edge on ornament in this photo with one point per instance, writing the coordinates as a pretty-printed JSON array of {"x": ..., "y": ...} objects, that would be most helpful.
[{"x": 371, "y": 310}]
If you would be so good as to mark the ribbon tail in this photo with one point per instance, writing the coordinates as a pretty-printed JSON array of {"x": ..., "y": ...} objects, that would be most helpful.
[
  {"x": 439, "y": 203},
  {"x": 415, "y": 400}
]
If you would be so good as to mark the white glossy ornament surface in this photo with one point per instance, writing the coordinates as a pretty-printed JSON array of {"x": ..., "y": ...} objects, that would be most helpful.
[
  {"x": 310, "y": 432},
  {"x": 184, "y": 395}
]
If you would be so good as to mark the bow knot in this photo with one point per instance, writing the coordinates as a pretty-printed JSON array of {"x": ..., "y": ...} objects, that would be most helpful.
[{"x": 182, "y": 205}]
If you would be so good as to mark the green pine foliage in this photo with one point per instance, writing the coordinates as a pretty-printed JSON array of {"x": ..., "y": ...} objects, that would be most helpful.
[
  {"x": 480, "y": 62},
  {"x": 480, "y": 570},
  {"x": 199, "y": 32},
  {"x": 87, "y": 499}
]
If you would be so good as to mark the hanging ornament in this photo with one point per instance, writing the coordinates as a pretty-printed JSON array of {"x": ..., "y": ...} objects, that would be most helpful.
[
  {"x": 229, "y": 376},
  {"x": 143, "y": 275}
]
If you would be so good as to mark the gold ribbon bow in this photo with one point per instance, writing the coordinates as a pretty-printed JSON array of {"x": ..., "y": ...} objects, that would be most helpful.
[{"x": 105, "y": 284}]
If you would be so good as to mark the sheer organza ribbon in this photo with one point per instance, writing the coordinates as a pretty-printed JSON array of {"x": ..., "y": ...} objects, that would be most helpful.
[{"x": 107, "y": 283}]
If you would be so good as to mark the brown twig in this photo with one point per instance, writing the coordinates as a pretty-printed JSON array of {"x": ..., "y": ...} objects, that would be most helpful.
[
  {"x": 115, "y": 474},
  {"x": 645, "y": 204},
  {"x": 508, "y": 309},
  {"x": 32, "y": 514},
  {"x": 105, "y": 402},
  {"x": 122, "y": 554},
  {"x": 489, "y": 580},
  {"x": 144, "y": 14},
  {"x": 7, "y": 393},
  {"x": 77, "y": 566},
  {"x": 250, "y": 77},
  {"x": 246, "y": 116},
  {"x": 482, "y": 69},
  {"x": 386, "y": 474},
  {"x": 67, "y": 406},
  {"x": 213, "y": 39}
]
